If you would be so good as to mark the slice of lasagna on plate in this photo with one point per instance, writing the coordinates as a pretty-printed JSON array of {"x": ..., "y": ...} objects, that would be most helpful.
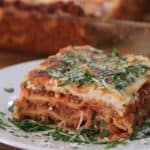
[{"x": 80, "y": 87}]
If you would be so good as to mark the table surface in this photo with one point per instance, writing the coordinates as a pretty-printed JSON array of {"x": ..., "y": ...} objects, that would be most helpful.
[{"x": 7, "y": 59}]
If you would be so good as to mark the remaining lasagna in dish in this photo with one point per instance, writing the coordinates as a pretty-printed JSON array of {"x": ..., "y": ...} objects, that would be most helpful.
[
  {"x": 118, "y": 9},
  {"x": 80, "y": 18},
  {"x": 83, "y": 87}
]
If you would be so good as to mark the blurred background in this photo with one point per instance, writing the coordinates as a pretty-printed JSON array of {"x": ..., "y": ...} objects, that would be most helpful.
[{"x": 34, "y": 29}]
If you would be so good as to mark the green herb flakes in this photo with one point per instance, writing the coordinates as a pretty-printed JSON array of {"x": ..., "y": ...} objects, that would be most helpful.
[
  {"x": 3, "y": 125},
  {"x": 117, "y": 54},
  {"x": 59, "y": 135},
  {"x": 119, "y": 80},
  {"x": 101, "y": 122},
  {"x": 78, "y": 136},
  {"x": 9, "y": 90},
  {"x": 88, "y": 76},
  {"x": 2, "y": 115},
  {"x": 137, "y": 69},
  {"x": 91, "y": 135},
  {"x": 122, "y": 78},
  {"x": 104, "y": 133},
  {"x": 80, "y": 80},
  {"x": 29, "y": 125},
  {"x": 111, "y": 71},
  {"x": 69, "y": 59}
]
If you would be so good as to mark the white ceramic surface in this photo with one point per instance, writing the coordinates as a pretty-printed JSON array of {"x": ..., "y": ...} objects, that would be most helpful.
[{"x": 11, "y": 77}]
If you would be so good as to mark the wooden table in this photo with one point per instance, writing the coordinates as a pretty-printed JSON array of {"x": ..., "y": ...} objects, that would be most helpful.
[{"x": 7, "y": 59}]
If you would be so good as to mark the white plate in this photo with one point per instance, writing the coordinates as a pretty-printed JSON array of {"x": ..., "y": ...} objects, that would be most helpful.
[{"x": 11, "y": 77}]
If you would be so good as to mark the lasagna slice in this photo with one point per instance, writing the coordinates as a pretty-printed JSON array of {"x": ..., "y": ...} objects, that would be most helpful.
[{"x": 80, "y": 87}]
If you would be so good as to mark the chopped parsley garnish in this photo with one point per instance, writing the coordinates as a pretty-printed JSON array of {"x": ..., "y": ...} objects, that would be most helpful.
[
  {"x": 101, "y": 122},
  {"x": 119, "y": 80},
  {"x": 80, "y": 80},
  {"x": 110, "y": 70},
  {"x": 69, "y": 59},
  {"x": 71, "y": 78},
  {"x": 146, "y": 134},
  {"x": 90, "y": 135},
  {"x": 57, "y": 134},
  {"x": 2, "y": 115},
  {"x": 137, "y": 69},
  {"x": 117, "y": 54},
  {"x": 3, "y": 125},
  {"x": 9, "y": 90},
  {"x": 104, "y": 133},
  {"x": 78, "y": 136},
  {"x": 66, "y": 136},
  {"x": 29, "y": 125},
  {"x": 88, "y": 76},
  {"x": 127, "y": 75},
  {"x": 83, "y": 59}
]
